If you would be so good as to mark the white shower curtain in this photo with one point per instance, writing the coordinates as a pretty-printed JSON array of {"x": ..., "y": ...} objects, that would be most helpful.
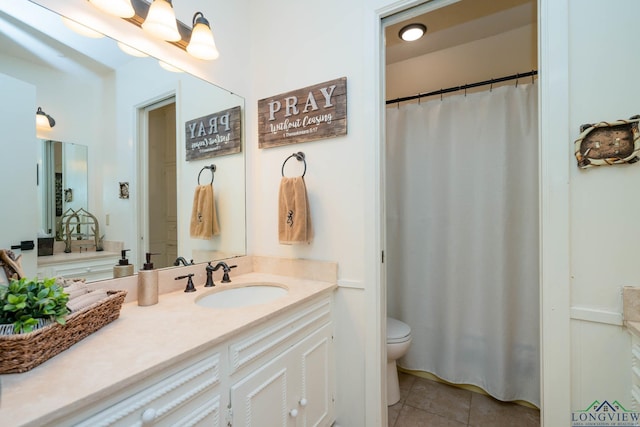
[{"x": 462, "y": 237}]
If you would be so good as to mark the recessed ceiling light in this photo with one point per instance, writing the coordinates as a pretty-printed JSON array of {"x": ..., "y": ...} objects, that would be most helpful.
[{"x": 412, "y": 32}]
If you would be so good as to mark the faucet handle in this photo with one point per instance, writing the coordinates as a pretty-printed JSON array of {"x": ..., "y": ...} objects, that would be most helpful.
[
  {"x": 225, "y": 276},
  {"x": 190, "y": 287},
  {"x": 209, "y": 283}
]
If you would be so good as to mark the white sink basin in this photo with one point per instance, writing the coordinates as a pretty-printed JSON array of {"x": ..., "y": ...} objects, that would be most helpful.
[{"x": 246, "y": 295}]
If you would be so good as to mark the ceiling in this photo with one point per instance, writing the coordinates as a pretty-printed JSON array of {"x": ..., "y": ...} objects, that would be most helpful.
[{"x": 459, "y": 23}]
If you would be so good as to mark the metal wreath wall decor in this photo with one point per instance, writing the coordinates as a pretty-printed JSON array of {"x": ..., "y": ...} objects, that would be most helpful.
[{"x": 608, "y": 143}]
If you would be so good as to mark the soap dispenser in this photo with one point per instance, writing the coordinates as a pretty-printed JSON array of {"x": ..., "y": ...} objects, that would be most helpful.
[
  {"x": 148, "y": 283},
  {"x": 123, "y": 268}
]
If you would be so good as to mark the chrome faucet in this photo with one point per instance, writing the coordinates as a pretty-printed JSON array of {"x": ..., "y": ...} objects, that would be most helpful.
[
  {"x": 225, "y": 268},
  {"x": 180, "y": 260}
]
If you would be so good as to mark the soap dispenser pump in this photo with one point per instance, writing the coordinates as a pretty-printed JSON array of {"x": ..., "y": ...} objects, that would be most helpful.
[
  {"x": 148, "y": 283},
  {"x": 123, "y": 268}
]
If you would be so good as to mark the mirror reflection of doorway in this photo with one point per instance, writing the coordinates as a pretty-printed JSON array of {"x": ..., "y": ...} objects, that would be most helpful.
[{"x": 160, "y": 197}]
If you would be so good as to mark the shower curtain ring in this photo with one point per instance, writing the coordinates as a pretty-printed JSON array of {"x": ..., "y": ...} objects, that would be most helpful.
[
  {"x": 517, "y": 78},
  {"x": 440, "y": 94}
]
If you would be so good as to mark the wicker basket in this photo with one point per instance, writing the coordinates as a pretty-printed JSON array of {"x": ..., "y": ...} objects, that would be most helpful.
[{"x": 22, "y": 352}]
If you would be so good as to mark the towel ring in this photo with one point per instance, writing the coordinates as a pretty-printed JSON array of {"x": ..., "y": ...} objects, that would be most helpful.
[
  {"x": 300, "y": 157},
  {"x": 212, "y": 168}
]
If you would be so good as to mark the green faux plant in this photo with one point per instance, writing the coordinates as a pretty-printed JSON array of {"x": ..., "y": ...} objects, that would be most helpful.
[{"x": 24, "y": 301}]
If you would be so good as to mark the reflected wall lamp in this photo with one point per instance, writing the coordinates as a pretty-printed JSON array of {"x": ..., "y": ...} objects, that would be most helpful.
[
  {"x": 43, "y": 120},
  {"x": 159, "y": 20},
  {"x": 119, "y": 8},
  {"x": 412, "y": 32}
]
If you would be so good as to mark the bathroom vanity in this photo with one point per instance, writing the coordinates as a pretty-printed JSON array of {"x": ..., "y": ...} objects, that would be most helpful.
[
  {"x": 90, "y": 265},
  {"x": 180, "y": 363}
]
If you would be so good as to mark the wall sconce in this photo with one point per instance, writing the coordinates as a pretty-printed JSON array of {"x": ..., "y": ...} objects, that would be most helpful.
[
  {"x": 119, "y": 8},
  {"x": 43, "y": 120},
  {"x": 161, "y": 21},
  {"x": 201, "y": 44},
  {"x": 412, "y": 32}
]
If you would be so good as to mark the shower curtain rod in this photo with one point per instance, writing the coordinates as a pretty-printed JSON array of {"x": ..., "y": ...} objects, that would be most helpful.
[{"x": 463, "y": 87}]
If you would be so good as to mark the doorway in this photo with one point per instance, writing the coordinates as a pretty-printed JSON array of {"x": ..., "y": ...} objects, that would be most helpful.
[
  {"x": 462, "y": 46},
  {"x": 158, "y": 195}
]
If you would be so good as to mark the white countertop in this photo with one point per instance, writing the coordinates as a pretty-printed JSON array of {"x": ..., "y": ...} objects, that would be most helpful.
[{"x": 143, "y": 341}]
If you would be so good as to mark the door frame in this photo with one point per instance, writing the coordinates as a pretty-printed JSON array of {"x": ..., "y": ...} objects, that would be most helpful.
[
  {"x": 554, "y": 161},
  {"x": 142, "y": 162}
]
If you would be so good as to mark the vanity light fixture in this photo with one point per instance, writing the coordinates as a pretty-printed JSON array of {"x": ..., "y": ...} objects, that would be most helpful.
[
  {"x": 119, "y": 8},
  {"x": 201, "y": 45},
  {"x": 412, "y": 32},
  {"x": 43, "y": 120},
  {"x": 161, "y": 21}
]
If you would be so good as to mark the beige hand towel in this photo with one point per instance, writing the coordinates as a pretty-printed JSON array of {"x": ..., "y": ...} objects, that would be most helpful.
[
  {"x": 204, "y": 222},
  {"x": 294, "y": 216}
]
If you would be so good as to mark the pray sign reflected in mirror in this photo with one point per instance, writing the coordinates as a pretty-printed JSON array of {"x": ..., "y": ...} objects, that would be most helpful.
[{"x": 216, "y": 134}]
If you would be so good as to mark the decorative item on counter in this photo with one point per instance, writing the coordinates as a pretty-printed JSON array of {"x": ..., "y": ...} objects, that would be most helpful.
[
  {"x": 123, "y": 268},
  {"x": 148, "y": 283},
  {"x": 204, "y": 221},
  {"x": 33, "y": 332},
  {"x": 608, "y": 143},
  {"x": 10, "y": 266},
  {"x": 294, "y": 215},
  {"x": 74, "y": 224}
]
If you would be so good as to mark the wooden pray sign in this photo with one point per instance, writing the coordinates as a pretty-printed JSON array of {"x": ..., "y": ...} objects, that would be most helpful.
[
  {"x": 307, "y": 114},
  {"x": 217, "y": 134}
]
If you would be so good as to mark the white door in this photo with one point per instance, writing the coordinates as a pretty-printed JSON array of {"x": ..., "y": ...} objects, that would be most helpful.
[{"x": 18, "y": 151}]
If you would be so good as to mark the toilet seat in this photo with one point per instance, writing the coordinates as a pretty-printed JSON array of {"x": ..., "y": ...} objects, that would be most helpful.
[{"x": 397, "y": 331}]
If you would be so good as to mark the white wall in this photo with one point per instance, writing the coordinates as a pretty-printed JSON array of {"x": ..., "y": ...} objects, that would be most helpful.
[
  {"x": 604, "y": 234},
  {"x": 72, "y": 101}
]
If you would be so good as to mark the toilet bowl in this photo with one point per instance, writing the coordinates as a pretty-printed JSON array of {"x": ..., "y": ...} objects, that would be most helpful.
[{"x": 398, "y": 342}]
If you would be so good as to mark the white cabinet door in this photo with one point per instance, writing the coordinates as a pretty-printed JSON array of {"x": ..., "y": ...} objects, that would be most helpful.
[
  {"x": 18, "y": 194},
  {"x": 294, "y": 389},
  {"x": 262, "y": 398},
  {"x": 316, "y": 365}
]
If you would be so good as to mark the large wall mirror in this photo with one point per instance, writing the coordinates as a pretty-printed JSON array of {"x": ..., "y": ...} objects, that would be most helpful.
[{"x": 129, "y": 114}]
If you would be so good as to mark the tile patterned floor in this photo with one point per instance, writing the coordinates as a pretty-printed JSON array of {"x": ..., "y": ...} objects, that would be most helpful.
[{"x": 426, "y": 403}]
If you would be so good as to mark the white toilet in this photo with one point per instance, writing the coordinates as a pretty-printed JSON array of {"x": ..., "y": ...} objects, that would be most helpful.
[{"x": 398, "y": 342}]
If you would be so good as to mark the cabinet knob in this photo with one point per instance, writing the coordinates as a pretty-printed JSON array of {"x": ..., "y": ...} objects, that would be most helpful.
[
  {"x": 303, "y": 402},
  {"x": 293, "y": 413},
  {"x": 148, "y": 416}
]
